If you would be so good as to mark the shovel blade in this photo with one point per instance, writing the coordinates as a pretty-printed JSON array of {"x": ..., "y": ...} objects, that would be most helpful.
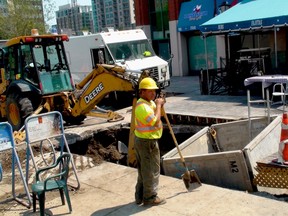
[{"x": 189, "y": 178}]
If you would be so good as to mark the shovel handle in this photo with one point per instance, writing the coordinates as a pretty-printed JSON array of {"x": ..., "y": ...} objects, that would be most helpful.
[{"x": 173, "y": 136}]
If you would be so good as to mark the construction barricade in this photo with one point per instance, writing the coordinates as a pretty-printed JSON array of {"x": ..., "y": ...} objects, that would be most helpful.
[
  {"x": 46, "y": 133},
  {"x": 7, "y": 143}
]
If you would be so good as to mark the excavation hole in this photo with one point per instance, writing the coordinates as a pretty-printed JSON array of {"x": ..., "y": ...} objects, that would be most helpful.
[{"x": 112, "y": 144}]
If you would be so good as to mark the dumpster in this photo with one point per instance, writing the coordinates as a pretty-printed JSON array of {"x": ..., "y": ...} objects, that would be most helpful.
[{"x": 228, "y": 157}]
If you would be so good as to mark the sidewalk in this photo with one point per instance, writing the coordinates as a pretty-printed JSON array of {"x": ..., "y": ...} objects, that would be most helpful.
[
  {"x": 108, "y": 189},
  {"x": 191, "y": 102}
]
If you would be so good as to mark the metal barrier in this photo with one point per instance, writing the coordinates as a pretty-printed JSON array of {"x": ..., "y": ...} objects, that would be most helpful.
[
  {"x": 47, "y": 131},
  {"x": 7, "y": 143}
]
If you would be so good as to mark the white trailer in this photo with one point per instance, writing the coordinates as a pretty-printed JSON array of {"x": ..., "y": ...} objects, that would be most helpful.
[{"x": 130, "y": 49}]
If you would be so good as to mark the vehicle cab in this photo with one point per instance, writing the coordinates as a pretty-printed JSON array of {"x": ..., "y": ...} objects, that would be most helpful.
[{"x": 37, "y": 62}]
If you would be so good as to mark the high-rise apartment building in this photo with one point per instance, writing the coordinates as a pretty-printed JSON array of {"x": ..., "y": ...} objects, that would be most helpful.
[
  {"x": 118, "y": 14},
  {"x": 73, "y": 19}
]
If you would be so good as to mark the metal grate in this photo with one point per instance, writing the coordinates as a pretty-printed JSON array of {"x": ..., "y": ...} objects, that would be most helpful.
[
  {"x": 271, "y": 176},
  {"x": 153, "y": 73}
]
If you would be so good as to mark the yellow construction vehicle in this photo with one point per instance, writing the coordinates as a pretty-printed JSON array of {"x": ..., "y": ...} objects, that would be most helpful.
[{"x": 35, "y": 78}]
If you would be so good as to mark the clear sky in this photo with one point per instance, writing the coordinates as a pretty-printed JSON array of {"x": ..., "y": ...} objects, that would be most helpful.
[{"x": 63, "y": 2}]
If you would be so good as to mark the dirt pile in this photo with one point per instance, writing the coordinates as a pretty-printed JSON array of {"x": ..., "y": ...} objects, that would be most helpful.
[
  {"x": 100, "y": 153},
  {"x": 103, "y": 146}
]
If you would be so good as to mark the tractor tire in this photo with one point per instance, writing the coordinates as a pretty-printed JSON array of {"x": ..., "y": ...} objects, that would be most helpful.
[{"x": 17, "y": 110}]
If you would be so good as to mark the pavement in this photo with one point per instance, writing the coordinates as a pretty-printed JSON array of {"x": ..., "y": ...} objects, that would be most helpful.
[
  {"x": 108, "y": 189},
  {"x": 192, "y": 103}
]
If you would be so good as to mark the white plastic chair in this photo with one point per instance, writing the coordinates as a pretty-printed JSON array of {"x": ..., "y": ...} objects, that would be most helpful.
[{"x": 279, "y": 91}]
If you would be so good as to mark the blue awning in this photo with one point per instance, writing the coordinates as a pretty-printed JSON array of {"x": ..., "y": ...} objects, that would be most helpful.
[
  {"x": 248, "y": 15},
  {"x": 193, "y": 14},
  {"x": 196, "y": 12}
]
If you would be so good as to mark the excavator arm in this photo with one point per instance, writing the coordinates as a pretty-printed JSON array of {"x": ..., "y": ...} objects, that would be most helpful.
[
  {"x": 100, "y": 82},
  {"x": 94, "y": 87}
]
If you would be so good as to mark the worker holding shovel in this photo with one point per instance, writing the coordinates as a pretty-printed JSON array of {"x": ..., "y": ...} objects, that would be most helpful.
[{"x": 148, "y": 130}]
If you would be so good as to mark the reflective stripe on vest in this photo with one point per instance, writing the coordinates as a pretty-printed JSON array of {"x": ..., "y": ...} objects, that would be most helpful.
[{"x": 145, "y": 128}]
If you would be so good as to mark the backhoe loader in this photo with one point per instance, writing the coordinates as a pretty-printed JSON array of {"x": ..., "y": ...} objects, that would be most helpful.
[{"x": 35, "y": 78}]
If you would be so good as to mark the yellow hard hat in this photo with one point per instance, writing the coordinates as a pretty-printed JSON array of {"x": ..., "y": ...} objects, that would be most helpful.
[
  {"x": 147, "y": 53},
  {"x": 148, "y": 83}
]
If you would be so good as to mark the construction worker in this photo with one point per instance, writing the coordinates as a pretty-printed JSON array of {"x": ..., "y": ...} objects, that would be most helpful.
[{"x": 148, "y": 130}]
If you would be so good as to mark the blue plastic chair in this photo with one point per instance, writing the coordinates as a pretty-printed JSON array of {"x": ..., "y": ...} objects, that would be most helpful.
[{"x": 54, "y": 182}]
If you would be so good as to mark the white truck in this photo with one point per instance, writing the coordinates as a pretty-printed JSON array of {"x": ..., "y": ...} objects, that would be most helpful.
[{"x": 130, "y": 49}]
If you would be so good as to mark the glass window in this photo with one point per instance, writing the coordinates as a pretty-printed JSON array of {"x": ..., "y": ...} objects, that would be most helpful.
[
  {"x": 159, "y": 18},
  {"x": 27, "y": 64},
  {"x": 130, "y": 50},
  {"x": 12, "y": 63},
  {"x": 50, "y": 67}
]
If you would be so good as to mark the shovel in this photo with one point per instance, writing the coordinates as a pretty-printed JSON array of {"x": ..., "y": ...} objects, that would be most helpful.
[{"x": 189, "y": 177}]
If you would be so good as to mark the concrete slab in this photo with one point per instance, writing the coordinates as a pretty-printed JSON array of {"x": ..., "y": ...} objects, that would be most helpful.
[{"x": 108, "y": 189}]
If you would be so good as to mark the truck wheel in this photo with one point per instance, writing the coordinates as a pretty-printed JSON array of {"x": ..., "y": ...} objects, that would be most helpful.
[{"x": 18, "y": 109}]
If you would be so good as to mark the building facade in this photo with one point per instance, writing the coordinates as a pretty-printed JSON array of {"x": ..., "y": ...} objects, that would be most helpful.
[
  {"x": 74, "y": 19},
  {"x": 174, "y": 27},
  {"x": 158, "y": 18},
  {"x": 118, "y": 14}
]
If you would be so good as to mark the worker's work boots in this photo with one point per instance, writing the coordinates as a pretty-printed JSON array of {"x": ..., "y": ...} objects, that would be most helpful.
[{"x": 156, "y": 201}]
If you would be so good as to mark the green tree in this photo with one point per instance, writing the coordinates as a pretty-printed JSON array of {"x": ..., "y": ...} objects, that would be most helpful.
[{"x": 22, "y": 16}]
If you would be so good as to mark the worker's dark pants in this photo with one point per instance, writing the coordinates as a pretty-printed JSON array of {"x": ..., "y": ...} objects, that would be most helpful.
[{"x": 148, "y": 165}]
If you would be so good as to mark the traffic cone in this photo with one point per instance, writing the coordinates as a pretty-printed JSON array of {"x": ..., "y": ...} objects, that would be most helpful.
[{"x": 284, "y": 137}]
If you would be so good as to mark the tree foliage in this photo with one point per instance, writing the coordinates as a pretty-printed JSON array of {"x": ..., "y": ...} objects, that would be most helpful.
[
  {"x": 22, "y": 16},
  {"x": 49, "y": 11}
]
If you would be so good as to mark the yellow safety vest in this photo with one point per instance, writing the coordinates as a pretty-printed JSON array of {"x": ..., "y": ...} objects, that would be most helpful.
[{"x": 145, "y": 120}]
